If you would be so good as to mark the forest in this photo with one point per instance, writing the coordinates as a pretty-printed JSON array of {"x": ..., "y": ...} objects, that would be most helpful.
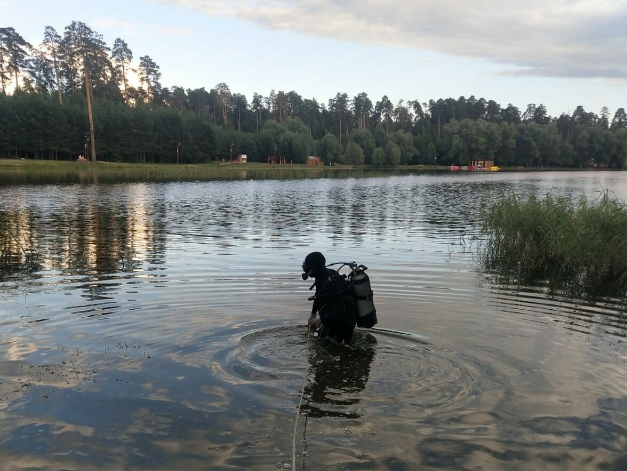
[{"x": 73, "y": 95}]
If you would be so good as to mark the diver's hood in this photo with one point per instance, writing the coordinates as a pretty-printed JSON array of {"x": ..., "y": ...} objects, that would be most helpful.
[{"x": 314, "y": 262}]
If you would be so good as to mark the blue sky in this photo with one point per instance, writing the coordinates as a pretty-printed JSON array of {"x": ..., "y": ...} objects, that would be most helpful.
[{"x": 562, "y": 53}]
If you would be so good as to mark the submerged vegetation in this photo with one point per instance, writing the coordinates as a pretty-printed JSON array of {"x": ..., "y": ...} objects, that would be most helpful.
[{"x": 570, "y": 244}]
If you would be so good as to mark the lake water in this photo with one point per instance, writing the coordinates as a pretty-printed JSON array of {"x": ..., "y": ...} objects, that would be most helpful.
[{"x": 163, "y": 328}]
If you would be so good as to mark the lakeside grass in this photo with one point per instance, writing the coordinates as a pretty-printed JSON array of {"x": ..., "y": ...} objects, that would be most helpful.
[
  {"x": 103, "y": 168},
  {"x": 57, "y": 171},
  {"x": 576, "y": 245},
  {"x": 39, "y": 170},
  {"x": 18, "y": 171}
]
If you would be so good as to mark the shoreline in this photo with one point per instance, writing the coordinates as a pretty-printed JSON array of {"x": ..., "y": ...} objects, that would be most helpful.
[{"x": 60, "y": 171}]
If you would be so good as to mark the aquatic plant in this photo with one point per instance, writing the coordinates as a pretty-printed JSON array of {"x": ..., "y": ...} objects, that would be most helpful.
[{"x": 569, "y": 243}]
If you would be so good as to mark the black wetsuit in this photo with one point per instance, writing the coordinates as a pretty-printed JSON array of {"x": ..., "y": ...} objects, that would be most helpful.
[{"x": 338, "y": 312}]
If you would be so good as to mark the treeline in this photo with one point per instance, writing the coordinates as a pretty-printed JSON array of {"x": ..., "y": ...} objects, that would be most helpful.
[{"x": 53, "y": 94}]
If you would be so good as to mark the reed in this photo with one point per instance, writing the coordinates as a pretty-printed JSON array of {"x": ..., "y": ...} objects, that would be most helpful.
[{"x": 573, "y": 243}]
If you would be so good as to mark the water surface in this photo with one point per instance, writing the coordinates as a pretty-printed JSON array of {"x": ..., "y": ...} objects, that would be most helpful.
[{"x": 160, "y": 326}]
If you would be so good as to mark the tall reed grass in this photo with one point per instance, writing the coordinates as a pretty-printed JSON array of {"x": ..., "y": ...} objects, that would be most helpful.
[{"x": 571, "y": 243}]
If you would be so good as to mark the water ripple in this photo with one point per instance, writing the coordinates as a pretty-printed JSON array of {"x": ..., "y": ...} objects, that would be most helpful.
[{"x": 343, "y": 382}]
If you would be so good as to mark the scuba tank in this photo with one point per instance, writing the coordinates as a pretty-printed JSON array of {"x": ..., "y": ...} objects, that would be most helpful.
[
  {"x": 357, "y": 292},
  {"x": 362, "y": 292}
]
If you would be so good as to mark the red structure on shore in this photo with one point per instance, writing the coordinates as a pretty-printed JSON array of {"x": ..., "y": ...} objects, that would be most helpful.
[{"x": 273, "y": 160}]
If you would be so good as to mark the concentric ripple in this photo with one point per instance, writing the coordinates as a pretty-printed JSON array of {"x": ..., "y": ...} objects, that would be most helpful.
[{"x": 380, "y": 371}]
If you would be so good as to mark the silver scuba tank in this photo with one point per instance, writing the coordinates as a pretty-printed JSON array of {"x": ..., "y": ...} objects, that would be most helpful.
[{"x": 366, "y": 312}]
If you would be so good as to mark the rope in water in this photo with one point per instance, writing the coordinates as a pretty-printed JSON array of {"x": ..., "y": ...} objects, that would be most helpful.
[{"x": 302, "y": 393}]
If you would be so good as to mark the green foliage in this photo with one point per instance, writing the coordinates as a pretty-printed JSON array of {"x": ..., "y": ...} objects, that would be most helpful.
[
  {"x": 405, "y": 143},
  {"x": 470, "y": 140},
  {"x": 354, "y": 154},
  {"x": 527, "y": 152},
  {"x": 147, "y": 123},
  {"x": 294, "y": 147},
  {"x": 378, "y": 157},
  {"x": 506, "y": 153},
  {"x": 430, "y": 153},
  {"x": 573, "y": 244},
  {"x": 365, "y": 140},
  {"x": 620, "y": 119},
  {"x": 296, "y": 126},
  {"x": 381, "y": 136},
  {"x": 13, "y": 56},
  {"x": 199, "y": 139},
  {"x": 392, "y": 154},
  {"x": 425, "y": 151},
  {"x": 267, "y": 143},
  {"x": 328, "y": 149}
]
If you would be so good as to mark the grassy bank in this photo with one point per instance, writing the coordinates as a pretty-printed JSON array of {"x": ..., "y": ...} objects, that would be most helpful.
[
  {"x": 208, "y": 170},
  {"x": 47, "y": 171},
  {"x": 570, "y": 244},
  {"x": 14, "y": 171},
  {"x": 44, "y": 171}
]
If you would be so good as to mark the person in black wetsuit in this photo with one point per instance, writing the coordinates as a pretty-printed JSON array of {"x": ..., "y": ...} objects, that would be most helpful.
[{"x": 337, "y": 309}]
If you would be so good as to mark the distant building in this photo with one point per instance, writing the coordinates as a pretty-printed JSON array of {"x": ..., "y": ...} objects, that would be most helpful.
[
  {"x": 281, "y": 160},
  {"x": 241, "y": 159},
  {"x": 482, "y": 164},
  {"x": 313, "y": 160}
]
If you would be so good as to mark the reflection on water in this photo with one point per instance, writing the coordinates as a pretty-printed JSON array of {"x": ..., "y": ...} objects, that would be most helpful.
[
  {"x": 339, "y": 375},
  {"x": 334, "y": 379},
  {"x": 159, "y": 326},
  {"x": 153, "y": 173}
]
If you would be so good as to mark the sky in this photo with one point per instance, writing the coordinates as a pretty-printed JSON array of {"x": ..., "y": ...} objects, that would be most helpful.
[{"x": 561, "y": 53}]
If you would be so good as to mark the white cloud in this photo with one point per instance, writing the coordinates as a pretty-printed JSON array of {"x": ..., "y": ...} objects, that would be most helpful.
[
  {"x": 557, "y": 38},
  {"x": 139, "y": 28}
]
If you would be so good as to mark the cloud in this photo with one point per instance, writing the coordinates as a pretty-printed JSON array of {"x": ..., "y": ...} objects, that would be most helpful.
[
  {"x": 140, "y": 28},
  {"x": 557, "y": 38}
]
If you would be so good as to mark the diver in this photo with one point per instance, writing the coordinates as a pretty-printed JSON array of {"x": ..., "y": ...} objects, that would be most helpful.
[{"x": 333, "y": 301}]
